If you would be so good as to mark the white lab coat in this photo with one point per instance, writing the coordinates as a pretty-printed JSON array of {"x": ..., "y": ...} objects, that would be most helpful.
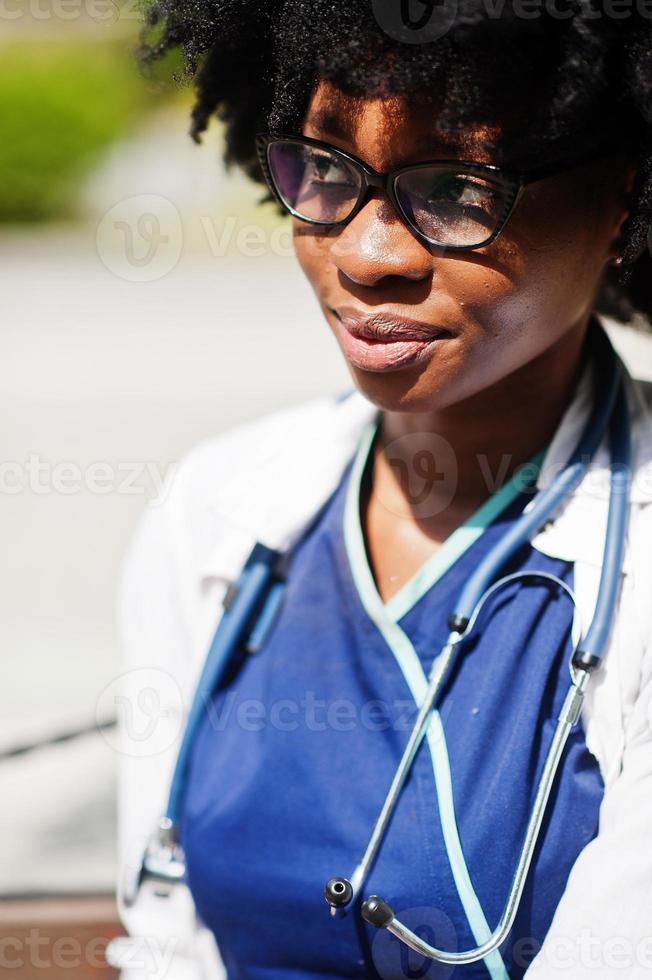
[{"x": 263, "y": 480}]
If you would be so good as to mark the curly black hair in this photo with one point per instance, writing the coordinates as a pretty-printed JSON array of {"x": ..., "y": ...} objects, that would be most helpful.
[{"x": 561, "y": 69}]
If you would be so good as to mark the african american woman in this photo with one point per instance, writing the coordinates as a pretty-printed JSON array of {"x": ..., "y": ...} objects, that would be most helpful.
[{"x": 410, "y": 626}]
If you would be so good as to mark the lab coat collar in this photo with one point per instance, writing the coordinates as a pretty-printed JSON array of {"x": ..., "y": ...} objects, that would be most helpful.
[
  {"x": 576, "y": 531},
  {"x": 595, "y": 484},
  {"x": 281, "y": 485}
]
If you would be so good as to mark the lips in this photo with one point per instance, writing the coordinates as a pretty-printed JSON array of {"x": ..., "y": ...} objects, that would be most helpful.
[{"x": 384, "y": 341}]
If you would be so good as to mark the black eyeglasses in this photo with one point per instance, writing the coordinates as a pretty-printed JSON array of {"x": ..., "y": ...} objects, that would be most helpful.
[{"x": 455, "y": 204}]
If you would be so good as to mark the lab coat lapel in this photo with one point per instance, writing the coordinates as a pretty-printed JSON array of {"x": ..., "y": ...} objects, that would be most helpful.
[{"x": 292, "y": 476}]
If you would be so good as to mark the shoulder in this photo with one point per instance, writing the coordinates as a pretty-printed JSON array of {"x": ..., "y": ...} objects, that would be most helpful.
[
  {"x": 269, "y": 471},
  {"x": 208, "y": 475},
  {"x": 252, "y": 467},
  {"x": 205, "y": 470}
]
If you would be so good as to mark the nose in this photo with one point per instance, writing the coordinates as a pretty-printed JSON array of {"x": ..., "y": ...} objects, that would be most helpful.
[{"x": 376, "y": 244}]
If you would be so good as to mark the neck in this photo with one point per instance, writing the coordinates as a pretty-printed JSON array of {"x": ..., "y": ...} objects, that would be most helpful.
[{"x": 493, "y": 432}]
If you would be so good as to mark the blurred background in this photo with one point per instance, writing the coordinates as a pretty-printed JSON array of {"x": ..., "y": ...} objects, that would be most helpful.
[{"x": 133, "y": 269}]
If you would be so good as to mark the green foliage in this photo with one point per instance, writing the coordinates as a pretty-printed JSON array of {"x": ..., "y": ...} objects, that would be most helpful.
[{"x": 62, "y": 104}]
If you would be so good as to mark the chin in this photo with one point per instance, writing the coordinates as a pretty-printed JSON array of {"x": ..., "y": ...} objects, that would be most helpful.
[{"x": 401, "y": 391}]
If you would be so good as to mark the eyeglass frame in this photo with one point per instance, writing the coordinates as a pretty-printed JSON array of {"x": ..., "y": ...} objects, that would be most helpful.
[{"x": 513, "y": 181}]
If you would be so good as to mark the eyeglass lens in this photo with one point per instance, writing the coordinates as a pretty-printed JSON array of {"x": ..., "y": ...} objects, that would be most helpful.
[
  {"x": 318, "y": 185},
  {"x": 446, "y": 204}
]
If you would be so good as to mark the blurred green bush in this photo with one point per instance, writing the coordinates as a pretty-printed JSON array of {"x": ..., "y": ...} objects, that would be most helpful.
[{"x": 61, "y": 104}]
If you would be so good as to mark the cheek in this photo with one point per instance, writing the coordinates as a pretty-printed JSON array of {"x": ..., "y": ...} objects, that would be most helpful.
[
  {"x": 537, "y": 280},
  {"x": 312, "y": 248},
  {"x": 557, "y": 241}
]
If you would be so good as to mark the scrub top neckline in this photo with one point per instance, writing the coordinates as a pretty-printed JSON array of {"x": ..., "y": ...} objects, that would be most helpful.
[{"x": 452, "y": 548}]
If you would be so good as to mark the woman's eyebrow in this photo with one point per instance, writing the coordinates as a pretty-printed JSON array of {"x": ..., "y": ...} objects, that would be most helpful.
[
  {"x": 339, "y": 126},
  {"x": 331, "y": 124}
]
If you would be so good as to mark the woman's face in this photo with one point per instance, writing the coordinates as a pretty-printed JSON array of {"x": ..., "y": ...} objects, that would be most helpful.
[{"x": 482, "y": 314}]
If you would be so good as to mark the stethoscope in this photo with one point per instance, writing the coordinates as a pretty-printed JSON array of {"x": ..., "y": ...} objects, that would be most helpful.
[{"x": 253, "y": 601}]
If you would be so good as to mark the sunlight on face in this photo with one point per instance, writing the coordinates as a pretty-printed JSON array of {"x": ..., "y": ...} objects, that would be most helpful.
[{"x": 495, "y": 308}]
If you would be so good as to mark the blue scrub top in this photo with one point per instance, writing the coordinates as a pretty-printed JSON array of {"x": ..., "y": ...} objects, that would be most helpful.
[{"x": 301, "y": 740}]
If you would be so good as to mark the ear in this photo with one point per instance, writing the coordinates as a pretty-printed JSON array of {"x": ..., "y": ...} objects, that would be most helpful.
[{"x": 625, "y": 202}]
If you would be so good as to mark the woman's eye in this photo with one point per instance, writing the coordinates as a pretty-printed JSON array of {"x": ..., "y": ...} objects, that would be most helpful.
[
  {"x": 326, "y": 170},
  {"x": 461, "y": 191}
]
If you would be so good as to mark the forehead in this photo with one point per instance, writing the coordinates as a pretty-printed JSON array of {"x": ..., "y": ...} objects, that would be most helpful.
[{"x": 389, "y": 132}]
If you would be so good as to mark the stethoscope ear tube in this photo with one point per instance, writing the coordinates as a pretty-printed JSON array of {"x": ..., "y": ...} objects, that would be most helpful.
[
  {"x": 592, "y": 647},
  {"x": 610, "y": 412}
]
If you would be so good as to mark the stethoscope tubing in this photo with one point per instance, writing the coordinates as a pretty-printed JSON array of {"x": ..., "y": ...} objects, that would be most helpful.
[
  {"x": 565, "y": 723},
  {"x": 377, "y": 912},
  {"x": 594, "y": 643},
  {"x": 438, "y": 674},
  {"x": 252, "y": 585},
  {"x": 610, "y": 411},
  {"x": 584, "y": 659}
]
